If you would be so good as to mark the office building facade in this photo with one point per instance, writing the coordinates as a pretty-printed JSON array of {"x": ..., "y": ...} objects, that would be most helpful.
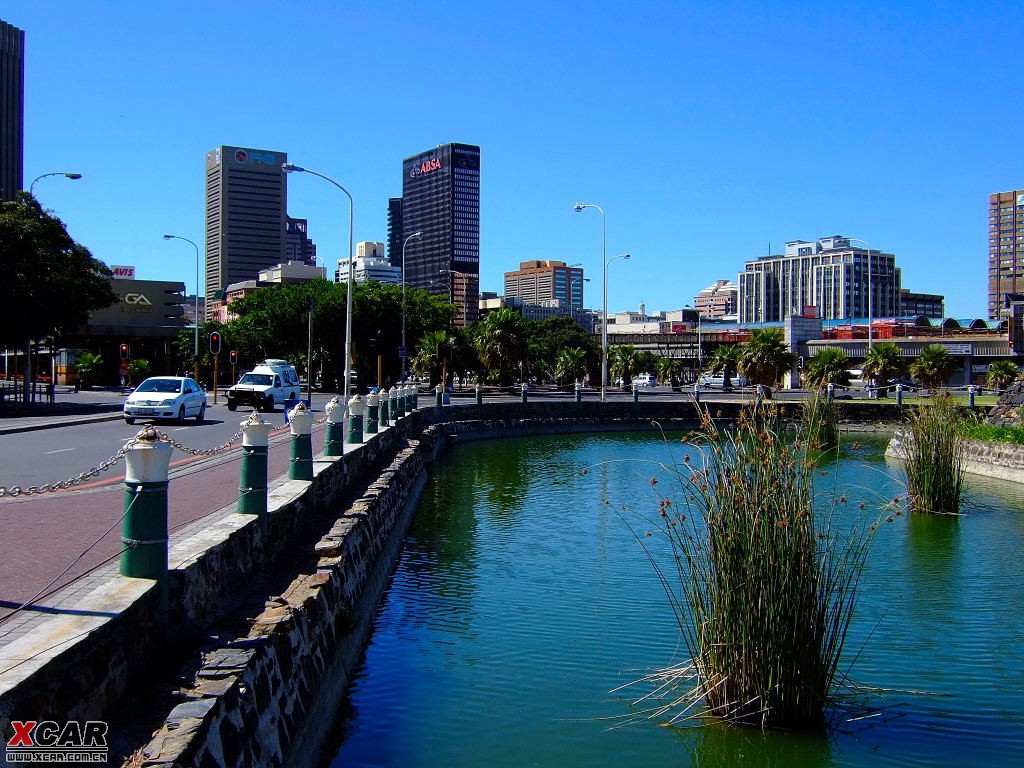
[
  {"x": 540, "y": 282},
  {"x": 298, "y": 246},
  {"x": 12, "y": 110},
  {"x": 828, "y": 277},
  {"x": 718, "y": 301},
  {"x": 395, "y": 238},
  {"x": 246, "y": 204},
  {"x": 441, "y": 199},
  {"x": 1005, "y": 250}
]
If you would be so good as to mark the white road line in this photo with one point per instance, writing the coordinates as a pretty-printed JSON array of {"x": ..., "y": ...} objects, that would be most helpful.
[{"x": 62, "y": 450}]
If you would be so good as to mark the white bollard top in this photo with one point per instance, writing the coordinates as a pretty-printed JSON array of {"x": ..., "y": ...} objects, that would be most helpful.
[
  {"x": 385, "y": 395},
  {"x": 355, "y": 406},
  {"x": 256, "y": 431},
  {"x": 301, "y": 421},
  {"x": 148, "y": 459},
  {"x": 335, "y": 411},
  {"x": 372, "y": 401}
]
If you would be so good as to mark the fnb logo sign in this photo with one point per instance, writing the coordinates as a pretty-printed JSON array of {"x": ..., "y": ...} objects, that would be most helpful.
[{"x": 45, "y": 741}]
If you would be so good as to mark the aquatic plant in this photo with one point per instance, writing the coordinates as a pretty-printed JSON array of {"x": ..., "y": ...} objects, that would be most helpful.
[
  {"x": 765, "y": 586},
  {"x": 820, "y": 421},
  {"x": 933, "y": 451}
]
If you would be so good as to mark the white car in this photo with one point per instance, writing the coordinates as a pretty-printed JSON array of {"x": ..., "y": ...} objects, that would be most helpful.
[{"x": 166, "y": 397}]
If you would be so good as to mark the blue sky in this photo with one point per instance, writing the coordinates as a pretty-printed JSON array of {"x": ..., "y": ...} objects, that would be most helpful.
[{"x": 706, "y": 130}]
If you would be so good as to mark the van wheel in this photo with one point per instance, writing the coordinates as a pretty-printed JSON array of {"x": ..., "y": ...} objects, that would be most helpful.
[
  {"x": 231, "y": 406},
  {"x": 129, "y": 422},
  {"x": 268, "y": 404}
]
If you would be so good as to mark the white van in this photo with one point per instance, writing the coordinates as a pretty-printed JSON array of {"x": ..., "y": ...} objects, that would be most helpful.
[
  {"x": 644, "y": 380},
  {"x": 266, "y": 385}
]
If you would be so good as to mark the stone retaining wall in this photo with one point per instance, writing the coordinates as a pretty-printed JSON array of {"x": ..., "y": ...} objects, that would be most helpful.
[{"x": 1002, "y": 461}]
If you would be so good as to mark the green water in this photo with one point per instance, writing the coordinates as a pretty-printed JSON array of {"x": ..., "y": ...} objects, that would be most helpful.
[{"x": 521, "y": 601}]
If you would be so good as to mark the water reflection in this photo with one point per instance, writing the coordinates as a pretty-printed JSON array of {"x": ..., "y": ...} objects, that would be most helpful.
[{"x": 720, "y": 746}]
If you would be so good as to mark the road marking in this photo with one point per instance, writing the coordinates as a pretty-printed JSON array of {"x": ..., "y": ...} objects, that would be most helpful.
[{"x": 62, "y": 450}]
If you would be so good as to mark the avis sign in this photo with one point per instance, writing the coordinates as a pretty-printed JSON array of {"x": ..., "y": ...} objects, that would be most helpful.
[
  {"x": 122, "y": 272},
  {"x": 45, "y": 741}
]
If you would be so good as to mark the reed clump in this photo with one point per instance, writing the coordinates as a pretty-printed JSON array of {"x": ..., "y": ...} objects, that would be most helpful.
[
  {"x": 766, "y": 586},
  {"x": 820, "y": 422},
  {"x": 933, "y": 450}
]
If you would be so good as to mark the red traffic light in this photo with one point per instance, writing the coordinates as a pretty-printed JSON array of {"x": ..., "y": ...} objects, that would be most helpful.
[
  {"x": 233, "y": 357},
  {"x": 124, "y": 351},
  {"x": 215, "y": 343}
]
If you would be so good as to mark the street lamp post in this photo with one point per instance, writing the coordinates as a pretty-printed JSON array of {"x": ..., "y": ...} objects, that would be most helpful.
[
  {"x": 293, "y": 168},
  {"x": 700, "y": 348},
  {"x": 405, "y": 351},
  {"x": 66, "y": 174},
  {"x": 196, "y": 346},
  {"x": 573, "y": 282},
  {"x": 868, "y": 248},
  {"x": 604, "y": 325}
]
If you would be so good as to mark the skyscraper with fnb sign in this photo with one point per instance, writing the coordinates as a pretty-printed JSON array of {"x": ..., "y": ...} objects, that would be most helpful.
[
  {"x": 441, "y": 200},
  {"x": 246, "y": 204},
  {"x": 12, "y": 110}
]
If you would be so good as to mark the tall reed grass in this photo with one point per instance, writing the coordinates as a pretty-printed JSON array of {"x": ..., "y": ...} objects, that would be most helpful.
[
  {"x": 765, "y": 586},
  {"x": 933, "y": 451},
  {"x": 820, "y": 421}
]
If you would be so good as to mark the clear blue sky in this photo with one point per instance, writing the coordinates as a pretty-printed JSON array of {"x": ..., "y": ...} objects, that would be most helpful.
[{"x": 706, "y": 130}]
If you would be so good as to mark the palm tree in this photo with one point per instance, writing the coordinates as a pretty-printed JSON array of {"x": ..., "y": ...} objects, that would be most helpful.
[
  {"x": 431, "y": 350},
  {"x": 725, "y": 360},
  {"x": 502, "y": 343},
  {"x": 765, "y": 357},
  {"x": 1001, "y": 374},
  {"x": 830, "y": 366},
  {"x": 933, "y": 366},
  {"x": 668, "y": 369},
  {"x": 883, "y": 362},
  {"x": 623, "y": 362},
  {"x": 570, "y": 365}
]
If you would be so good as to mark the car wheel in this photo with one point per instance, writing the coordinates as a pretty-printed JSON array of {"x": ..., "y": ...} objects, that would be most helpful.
[
  {"x": 181, "y": 415},
  {"x": 201, "y": 416},
  {"x": 129, "y": 421},
  {"x": 268, "y": 404}
]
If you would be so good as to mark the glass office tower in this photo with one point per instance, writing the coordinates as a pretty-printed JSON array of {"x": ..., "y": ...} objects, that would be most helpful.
[{"x": 441, "y": 199}]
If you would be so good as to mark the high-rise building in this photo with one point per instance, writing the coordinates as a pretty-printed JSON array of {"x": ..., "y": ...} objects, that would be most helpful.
[
  {"x": 828, "y": 276},
  {"x": 298, "y": 246},
  {"x": 1005, "y": 250},
  {"x": 395, "y": 238},
  {"x": 717, "y": 301},
  {"x": 246, "y": 204},
  {"x": 537, "y": 282},
  {"x": 12, "y": 110},
  {"x": 441, "y": 199}
]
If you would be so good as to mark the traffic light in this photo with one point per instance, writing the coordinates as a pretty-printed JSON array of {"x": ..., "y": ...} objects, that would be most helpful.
[
  {"x": 124, "y": 351},
  {"x": 233, "y": 357},
  {"x": 215, "y": 343}
]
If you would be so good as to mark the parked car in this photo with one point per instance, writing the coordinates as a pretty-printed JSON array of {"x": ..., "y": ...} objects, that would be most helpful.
[
  {"x": 166, "y": 397},
  {"x": 717, "y": 381},
  {"x": 644, "y": 380},
  {"x": 908, "y": 384}
]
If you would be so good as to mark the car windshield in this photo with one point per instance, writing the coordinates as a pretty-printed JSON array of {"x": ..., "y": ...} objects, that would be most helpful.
[
  {"x": 262, "y": 379},
  {"x": 160, "y": 385}
]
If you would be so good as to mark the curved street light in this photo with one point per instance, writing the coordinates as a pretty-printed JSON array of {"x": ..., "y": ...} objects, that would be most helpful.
[
  {"x": 604, "y": 324},
  {"x": 405, "y": 351},
  {"x": 66, "y": 174},
  {"x": 196, "y": 346},
  {"x": 293, "y": 168}
]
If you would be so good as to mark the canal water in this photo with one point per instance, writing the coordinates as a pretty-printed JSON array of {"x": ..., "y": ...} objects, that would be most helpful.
[{"x": 522, "y": 601}]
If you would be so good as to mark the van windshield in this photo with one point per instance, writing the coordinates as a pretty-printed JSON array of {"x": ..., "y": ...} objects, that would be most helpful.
[{"x": 259, "y": 379}]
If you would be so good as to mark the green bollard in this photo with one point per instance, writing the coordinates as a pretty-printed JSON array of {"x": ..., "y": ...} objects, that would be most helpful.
[
  {"x": 479, "y": 394},
  {"x": 439, "y": 396},
  {"x": 830, "y": 392},
  {"x": 144, "y": 531},
  {"x": 970, "y": 395},
  {"x": 415, "y": 396},
  {"x": 372, "y": 413},
  {"x": 397, "y": 403},
  {"x": 301, "y": 424},
  {"x": 696, "y": 391},
  {"x": 385, "y": 400},
  {"x": 252, "y": 491},
  {"x": 334, "y": 439},
  {"x": 579, "y": 392},
  {"x": 355, "y": 420},
  {"x": 636, "y": 393},
  {"x": 407, "y": 399},
  {"x": 899, "y": 395},
  {"x": 522, "y": 391}
]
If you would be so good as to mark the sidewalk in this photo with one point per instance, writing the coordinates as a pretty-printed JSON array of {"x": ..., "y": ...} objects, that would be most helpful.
[{"x": 70, "y": 408}]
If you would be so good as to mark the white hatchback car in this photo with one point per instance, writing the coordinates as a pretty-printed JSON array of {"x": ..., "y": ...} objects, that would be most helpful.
[{"x": 166, "y": 397}]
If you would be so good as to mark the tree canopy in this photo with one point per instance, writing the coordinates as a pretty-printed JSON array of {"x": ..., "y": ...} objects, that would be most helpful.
[{"x": 51, "y": 283}]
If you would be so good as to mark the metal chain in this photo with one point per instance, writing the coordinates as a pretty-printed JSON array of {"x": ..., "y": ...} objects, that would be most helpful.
[
  {"x": 17, "y": 490},
  {"x": 151, "y": 433}
]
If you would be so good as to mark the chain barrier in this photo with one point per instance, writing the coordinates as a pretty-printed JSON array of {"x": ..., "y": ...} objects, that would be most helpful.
[{"x": 147, "y": 433}]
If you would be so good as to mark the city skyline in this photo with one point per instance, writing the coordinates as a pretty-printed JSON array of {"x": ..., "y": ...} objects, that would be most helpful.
[{"x": 709, "y": 135}]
